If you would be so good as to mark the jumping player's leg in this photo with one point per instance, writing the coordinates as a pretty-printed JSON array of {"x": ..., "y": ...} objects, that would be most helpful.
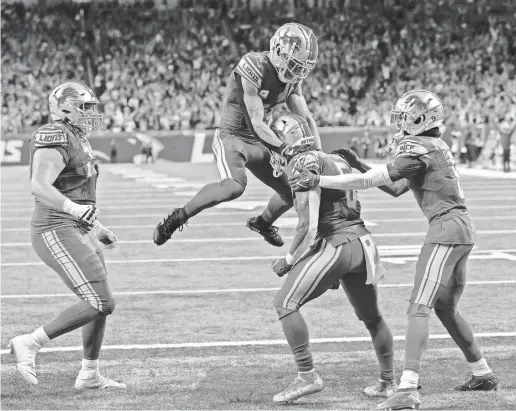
[
  {"x": 460, "y": 330},
  {"x": 231, "y": 159}
]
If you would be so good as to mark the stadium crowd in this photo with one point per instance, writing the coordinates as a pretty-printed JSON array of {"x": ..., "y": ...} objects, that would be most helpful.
[{"x": 166, "y": 69}]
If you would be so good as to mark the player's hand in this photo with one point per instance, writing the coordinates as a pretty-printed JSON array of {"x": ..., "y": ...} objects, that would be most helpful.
[
  {"x": 87, "y": 214},
  {"x": 335, "y": 286},
  {"x": 304, "y": 181},
  {"x": 105, "y": 236},
  {"x": 350, "y": 156},
  {"x": 281, "y": 267}
]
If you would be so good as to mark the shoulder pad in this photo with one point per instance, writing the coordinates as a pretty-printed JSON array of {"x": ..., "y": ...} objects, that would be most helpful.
[
  {"x": 251, "y": 67},
  {"x": 50, "y": 136},
  {"x": 412, "y": 146},
  {"x": 309, "y": 160}
]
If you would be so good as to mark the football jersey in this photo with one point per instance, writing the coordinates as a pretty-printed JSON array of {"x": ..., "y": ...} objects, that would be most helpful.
[
  {"x": 339, "y": 211},
  {"x": 429, "y": 167},
  {"x": 257, "y": 69},
  {"x": 77, "y": 181}
]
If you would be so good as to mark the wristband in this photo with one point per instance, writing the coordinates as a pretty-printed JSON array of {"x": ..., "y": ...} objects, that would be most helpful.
[
  {"x": 68, "y": 206},
  {"x": 289, "y": 259},
  {"x": 97, "y": 227}
]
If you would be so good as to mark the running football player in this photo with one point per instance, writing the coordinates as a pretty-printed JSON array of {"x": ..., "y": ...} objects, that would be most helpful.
[
  {"x": 259, "y": 82},
  {"x": 65, "y": 232},
  {"x": 331, "y": 244},
  {"x": 424, "y": 162}
]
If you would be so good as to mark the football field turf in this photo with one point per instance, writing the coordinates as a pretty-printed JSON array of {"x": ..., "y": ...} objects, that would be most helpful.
[{"x": 194, "y": 326}]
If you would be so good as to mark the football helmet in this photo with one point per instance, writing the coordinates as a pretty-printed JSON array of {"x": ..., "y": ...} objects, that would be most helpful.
[
  {"x": 76, "y": 104},
  {"x": 293, "y": 52},
  {"x": 293, "y": 130},
  {"x": 416, "y": 112}
]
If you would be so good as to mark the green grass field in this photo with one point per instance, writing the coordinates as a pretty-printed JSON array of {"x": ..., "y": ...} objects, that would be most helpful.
[{"x": 194, "y": 326}]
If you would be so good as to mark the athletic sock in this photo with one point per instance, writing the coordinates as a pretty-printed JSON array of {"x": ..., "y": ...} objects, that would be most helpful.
[
  {"x": 409, "y": 380},
  {"x": 480, "y": 368},
  {"x": 418, "y": 331},
  {"x": 307, "y": 375},
  {"x": 296, "y": 333},
  {"x": 276, "y": 207},
  {"x": 40, "y": 337},
  {"x": 89, "y": 369}
]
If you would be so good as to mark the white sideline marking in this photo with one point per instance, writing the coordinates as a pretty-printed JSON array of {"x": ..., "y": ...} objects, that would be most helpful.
[
  {"x": 284, "y": 222},
  {"x": 222, "y": 291},
  {"x": 495, "y": 254},
  {"x": 254, "y": 342},
  {"x": 258, "y": 238}
]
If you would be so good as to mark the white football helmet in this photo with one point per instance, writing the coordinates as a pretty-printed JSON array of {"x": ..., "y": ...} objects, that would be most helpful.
[
  {"x": 293, "y": 130},
  {"x": 76, "y": 103},
  {"x": 293, "y": 52}
]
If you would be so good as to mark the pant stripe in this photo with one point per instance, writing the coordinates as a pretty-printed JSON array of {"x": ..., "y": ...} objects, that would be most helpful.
[
  {"x": 433, "y": 274},
  {"x": 220, "y": 154},
  {"x": 319, "y": 275},
  {"x": 72, "y": 269},
  {"x": 303, "y": 272}
]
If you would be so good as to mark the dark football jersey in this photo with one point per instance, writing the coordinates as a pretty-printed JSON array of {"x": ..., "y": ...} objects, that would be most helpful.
[
  {"x": 257, "y": 69},
  {"x": 428, "y": 165},
  {"x": 77, "y": 181},
  {"x": 339, "y": 211}
]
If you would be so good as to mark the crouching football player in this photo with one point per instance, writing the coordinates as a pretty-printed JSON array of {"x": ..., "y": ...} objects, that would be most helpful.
[
  {"x": 425, "y": 164},
  {"x": 344, "y": 251},
  {"x": 65, "y": 231}
]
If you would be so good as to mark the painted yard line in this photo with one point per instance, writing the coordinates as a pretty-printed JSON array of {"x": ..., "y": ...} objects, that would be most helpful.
[
  {"x": 220, "y": 291},
  {"x": 217, "y": 344},
  {"x": 280, "y": 223},
  {"x": 257, "y": 238},
  {"x": 235, "y": 209},
  {"x": 475, "y": 256}
]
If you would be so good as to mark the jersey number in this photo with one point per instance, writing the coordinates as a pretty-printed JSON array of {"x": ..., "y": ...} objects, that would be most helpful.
[{"x": 351, "y": 195}]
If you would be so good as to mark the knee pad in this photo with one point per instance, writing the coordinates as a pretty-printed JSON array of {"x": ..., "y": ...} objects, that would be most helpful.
[
  {"x": 234, "y": 187},
  {"x": 283, "y": 312},
  {"x": 418, "y": 310},
  {"x": 372, "y": 322},
  {"x": 108, "y": 306}
]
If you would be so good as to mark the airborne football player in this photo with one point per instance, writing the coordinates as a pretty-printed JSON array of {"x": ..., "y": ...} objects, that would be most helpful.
[
  {"x": 425, "y": 165},
  {"x": 331, "y": 246},
  {"x": 65, "y": 232},
  {"x": 259, "y": 82}
]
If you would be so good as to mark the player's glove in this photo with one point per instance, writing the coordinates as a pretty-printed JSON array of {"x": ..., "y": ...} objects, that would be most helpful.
[
  {"x": 350, "y": 156},
  {"x": 281, "y": 267},
  {"x": 105, "y": 236},
  {"x": 335, "y": 286},
  {"x": 87, "y": 214},
  {"x": 304, "y": 181}
]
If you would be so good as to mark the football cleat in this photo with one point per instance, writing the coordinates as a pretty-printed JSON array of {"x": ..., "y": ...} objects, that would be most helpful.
[
  {"x": 403, "y": 399},
  {"x": 488, "y": 382},
  {"x": 382, "y": 389},
  {"x": 268, "y": 232},
  {"x": 98, "y": 382},
  {"x": 167, "y": 227},
  {"x": 25, "y": 350},
  {"x": 299, "y": 388}
]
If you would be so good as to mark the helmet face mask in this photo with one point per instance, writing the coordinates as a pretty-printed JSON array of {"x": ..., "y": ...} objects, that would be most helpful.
[
  {"x": 293, "y": 52},
  {"x": 76, "y": 104}
]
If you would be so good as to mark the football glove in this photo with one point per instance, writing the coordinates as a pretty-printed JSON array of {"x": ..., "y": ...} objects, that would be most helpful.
[
  {"x": 350, "y": 156},
  {"x": 335, "y": 286},
  {"x": 105, "y": 236},
  {"x": 87, "y": 214},
  {"x": 281, "y": 267},
  {"x": 304, "y": 181}
]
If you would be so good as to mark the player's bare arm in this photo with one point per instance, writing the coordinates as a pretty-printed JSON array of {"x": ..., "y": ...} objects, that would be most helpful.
[
  {"x": 47, "y": 164},
  {"x": 297, "y": 105},
  {"x": 254, "y": 107}
]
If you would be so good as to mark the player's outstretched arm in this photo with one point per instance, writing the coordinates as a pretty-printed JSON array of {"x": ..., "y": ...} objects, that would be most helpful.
[
  {"x": 47, "y": 164},
  {"x": 297, "y": 105}
]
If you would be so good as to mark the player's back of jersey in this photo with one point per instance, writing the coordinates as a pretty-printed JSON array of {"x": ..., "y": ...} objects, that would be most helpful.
[
  {"x": 339, "y": 211},
  {"x": 259, "y": 71},
  {"x": 438, "y": 189},
  {"x": 77, "y": 181}
]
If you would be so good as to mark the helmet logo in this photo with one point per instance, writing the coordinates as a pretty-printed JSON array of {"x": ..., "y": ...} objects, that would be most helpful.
[{"x": 66, "y": 94}]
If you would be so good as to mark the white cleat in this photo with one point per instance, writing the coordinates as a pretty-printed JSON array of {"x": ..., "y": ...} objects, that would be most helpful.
[
  {"x": 382, "y": 389},
  {"x": 299, "y": 388},
  {"x": 99, "y": 382},
  {"x": 25, "y": 350}
]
